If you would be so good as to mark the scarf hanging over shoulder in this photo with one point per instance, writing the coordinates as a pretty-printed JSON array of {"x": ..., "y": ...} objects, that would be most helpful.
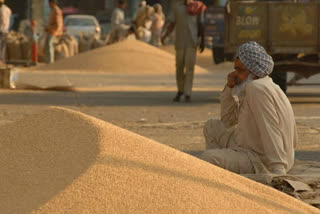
[{"x": 195, "y": 8}]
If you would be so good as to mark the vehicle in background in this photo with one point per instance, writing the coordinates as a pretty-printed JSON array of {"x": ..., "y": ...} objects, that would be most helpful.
[
  {"x": 289, "y": 31},
  {"x": 77, "y": 25},
  {"x": 215, "y": 27},
  {"x": 67, "y": 11}
]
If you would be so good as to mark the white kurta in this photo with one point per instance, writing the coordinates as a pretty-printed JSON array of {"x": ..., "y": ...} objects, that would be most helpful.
[
  {"x": 265, "y": 127},
  {"x": 5, "y": 14},
  {"x": 117, "y": 19},
  {"x": 118, "y": 27}
]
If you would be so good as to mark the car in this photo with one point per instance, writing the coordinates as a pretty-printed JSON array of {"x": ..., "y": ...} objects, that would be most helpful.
[{"x": 76, "y": 25}]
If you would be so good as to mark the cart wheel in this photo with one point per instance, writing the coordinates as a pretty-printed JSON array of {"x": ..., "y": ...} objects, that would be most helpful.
[
  {"x": 280, "y": 78},
  {"x": 218, "y": 54}
]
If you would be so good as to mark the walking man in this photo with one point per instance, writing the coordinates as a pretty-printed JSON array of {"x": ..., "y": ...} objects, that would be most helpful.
[
  {"x": 5, "y": 14},
  {"x": 54, "y": 29},
  {"x": 188, "y": 29},
  {"x": 257, "y": 131}
]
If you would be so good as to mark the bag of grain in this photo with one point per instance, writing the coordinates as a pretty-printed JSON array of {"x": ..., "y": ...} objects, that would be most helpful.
[
  {"x": 68, "y": 41},
  {"x": 25, "y": 48},
  {"x": 14, "y": 49},
  {"x": 61, "y": 51}
]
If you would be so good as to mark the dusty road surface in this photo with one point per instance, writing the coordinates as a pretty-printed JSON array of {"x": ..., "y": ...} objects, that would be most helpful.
[{"x": 142, "y": 103}]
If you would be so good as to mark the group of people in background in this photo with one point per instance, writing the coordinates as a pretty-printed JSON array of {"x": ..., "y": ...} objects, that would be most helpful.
[{"x": 147, "y": 23}]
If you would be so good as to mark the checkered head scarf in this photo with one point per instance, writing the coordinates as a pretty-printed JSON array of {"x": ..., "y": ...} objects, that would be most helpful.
[{"x": 255, "y": 58}]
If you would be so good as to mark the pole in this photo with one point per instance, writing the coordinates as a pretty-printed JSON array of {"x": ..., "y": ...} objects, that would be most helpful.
[{"x": 29, "y": 9}]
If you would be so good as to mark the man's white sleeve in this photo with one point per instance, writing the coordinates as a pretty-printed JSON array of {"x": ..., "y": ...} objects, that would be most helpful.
[{"x": 229, "y": 108}]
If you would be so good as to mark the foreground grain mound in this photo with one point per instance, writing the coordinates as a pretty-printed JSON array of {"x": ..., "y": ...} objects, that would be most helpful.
[
  {"x": 129, "y": 56},
  {"x": 61, "y": 161}
]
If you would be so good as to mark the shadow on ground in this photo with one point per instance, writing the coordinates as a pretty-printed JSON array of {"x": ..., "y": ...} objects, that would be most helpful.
[
  {"x": 105, "y": 98},
  {"x": 300, "y": 155},
  {"x": 124, "y": 98}
]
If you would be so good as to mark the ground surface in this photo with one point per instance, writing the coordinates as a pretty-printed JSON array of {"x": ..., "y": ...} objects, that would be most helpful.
[{"x": 142, "y": 103}]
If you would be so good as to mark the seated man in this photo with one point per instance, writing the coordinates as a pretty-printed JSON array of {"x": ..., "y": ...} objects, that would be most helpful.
[{"x": 257, "y": 131}]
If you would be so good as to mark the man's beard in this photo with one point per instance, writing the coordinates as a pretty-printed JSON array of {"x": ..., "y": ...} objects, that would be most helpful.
[{"x": 239, "y": 91}]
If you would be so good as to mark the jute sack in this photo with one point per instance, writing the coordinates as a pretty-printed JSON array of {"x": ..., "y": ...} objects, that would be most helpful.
[
  {"x": 14, "y": 49},
  {"x": 25, "y": 45},
  {"x": 68, "y": 41},
  {"x": 61, "y": 51},
  {"x": 72, "y": 44}
]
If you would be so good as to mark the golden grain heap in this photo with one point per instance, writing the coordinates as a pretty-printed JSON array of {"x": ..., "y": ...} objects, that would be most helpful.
[
  {"x": 130, "y": 56},
  {"x": 62, "y": 161}
]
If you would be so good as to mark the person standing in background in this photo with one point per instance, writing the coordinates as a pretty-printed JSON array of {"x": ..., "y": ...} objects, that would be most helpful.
[
  {"x": 117, "y": 22},
  {"x": 189, "y": 29},
  {"x": 54, "y": 29},
  {"x": 5, "y": 14},
  {"x": 157, "y": 25},
  {"x": 141, "y": 7}
]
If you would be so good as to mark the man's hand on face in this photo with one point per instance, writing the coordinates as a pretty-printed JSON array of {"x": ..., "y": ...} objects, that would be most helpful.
[
  {"x": 232, "y": 80},
  {"x": 240, "y": 74}
]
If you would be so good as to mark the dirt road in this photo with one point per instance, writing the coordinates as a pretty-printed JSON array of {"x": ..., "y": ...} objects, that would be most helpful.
[{"x": 142, "y": 103}]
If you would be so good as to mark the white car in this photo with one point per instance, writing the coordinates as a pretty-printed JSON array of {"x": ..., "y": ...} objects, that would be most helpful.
[{"x": 82, "y": 24}]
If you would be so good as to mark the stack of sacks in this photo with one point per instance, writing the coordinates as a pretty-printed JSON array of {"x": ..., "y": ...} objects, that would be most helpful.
[
  {"x": 65, "y": 46},
  {"x": 62, "y": 161},
  {"x": 18, "y": 46},
  {"x": 61, "y": 50},
  {"x": 72, "y": 43}
]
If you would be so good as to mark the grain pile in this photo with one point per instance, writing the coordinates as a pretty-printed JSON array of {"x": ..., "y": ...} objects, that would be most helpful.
[
  {"x": 129, "y": 56},
  {"x": 61, "y": 161}
]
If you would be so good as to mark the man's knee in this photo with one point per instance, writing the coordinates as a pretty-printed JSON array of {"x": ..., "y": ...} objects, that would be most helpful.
[
  {"x": 214, "y": 124},
  {"x": 212, "y": 156},
  {"x": 231, "y": 160}
]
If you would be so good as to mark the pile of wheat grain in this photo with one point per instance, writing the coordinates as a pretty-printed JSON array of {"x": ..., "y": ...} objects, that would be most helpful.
[
  {"x": 129, "y": 56},
  {"x": 61, "y": 161}
]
